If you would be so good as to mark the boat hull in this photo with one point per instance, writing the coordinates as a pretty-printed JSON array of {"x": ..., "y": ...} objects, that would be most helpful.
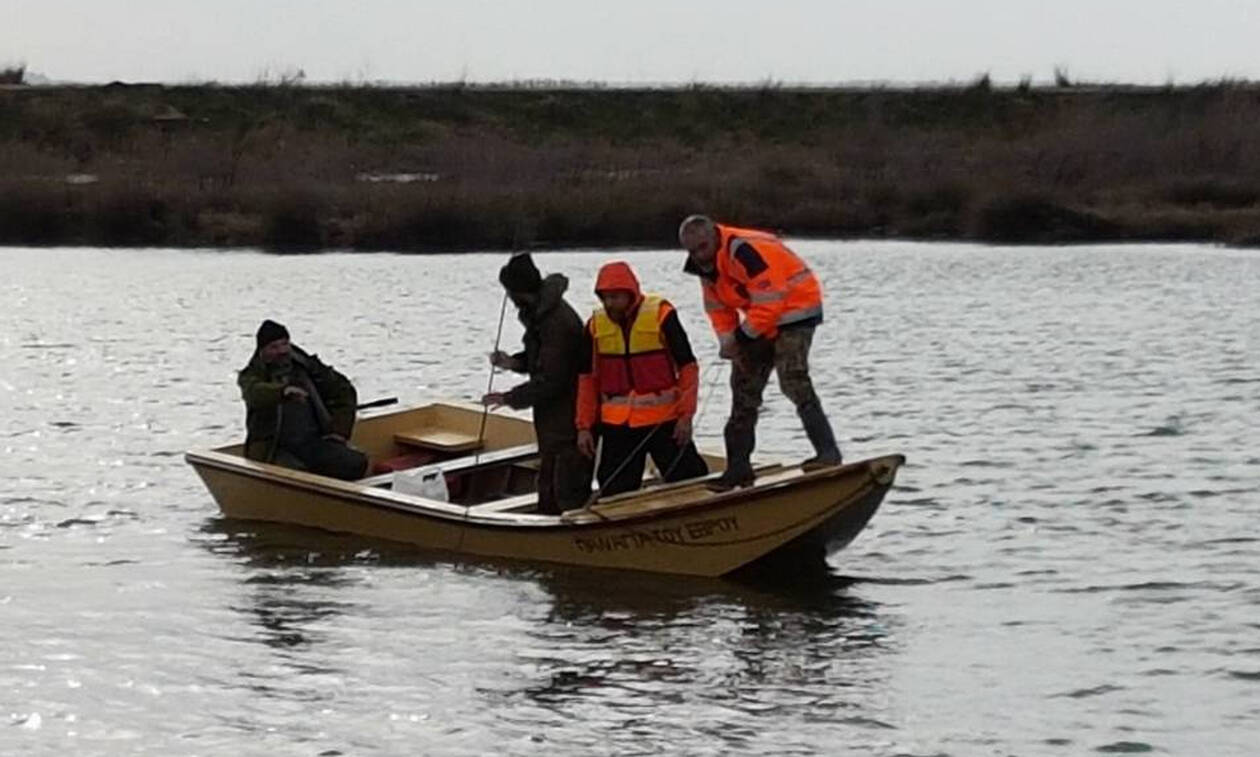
[{"x": 679, "y": 528}]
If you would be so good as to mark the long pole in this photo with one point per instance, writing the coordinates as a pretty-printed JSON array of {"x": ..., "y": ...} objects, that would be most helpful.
[
  {"x": 485, "y": 413},
  {"x": 485, "y": 410},
  {"x": 378, "y": 403}
]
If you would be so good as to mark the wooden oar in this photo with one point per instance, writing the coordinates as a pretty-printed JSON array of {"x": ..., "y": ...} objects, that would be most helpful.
[{"x": 378, "y": 403}]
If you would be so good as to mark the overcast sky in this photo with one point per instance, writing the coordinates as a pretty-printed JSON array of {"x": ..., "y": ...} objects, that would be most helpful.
[{"x": 627, "y": 41}]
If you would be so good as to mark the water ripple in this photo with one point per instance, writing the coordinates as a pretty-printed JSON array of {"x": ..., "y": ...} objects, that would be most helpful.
[{"x": 1065, "y": 566}]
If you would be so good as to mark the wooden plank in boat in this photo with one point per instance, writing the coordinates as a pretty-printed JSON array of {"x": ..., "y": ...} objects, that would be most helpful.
[
  {"x": 505, "y": 456},
  {"x": 439, "y": 439},
  {"x": 523, "y": 502},
  {"x": 664, "y": 498},
  {"x": 652, "y": 499}
]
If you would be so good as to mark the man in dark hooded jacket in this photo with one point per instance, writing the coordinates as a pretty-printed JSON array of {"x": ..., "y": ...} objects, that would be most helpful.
[
  {"x": 553, "y": 339},
  {"x": 298, "y": 412}
]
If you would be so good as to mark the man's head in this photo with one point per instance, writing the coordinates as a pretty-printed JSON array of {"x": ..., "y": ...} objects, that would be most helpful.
[
  {"x": 618, "y": 289},
  {"x": 272, "y": 342},
  {"x": 617, "y": 302},
  {"x": 521, "y": 279},
  {"x": 699, "y": 235}
]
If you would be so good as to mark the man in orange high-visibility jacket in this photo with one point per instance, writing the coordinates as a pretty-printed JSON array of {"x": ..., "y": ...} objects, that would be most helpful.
[
  {"x": 749, "y": 272},
  {"x": 638, "y": 386}
]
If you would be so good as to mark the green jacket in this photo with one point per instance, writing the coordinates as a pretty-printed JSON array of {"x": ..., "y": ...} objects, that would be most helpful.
[{"x": 262, "y": 390}]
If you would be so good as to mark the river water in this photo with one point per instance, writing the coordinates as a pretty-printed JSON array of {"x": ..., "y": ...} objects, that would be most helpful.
[{"x": 1070, "y": 563}]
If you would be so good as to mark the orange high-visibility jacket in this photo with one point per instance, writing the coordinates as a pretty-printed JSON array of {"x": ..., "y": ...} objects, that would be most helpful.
[
  {"x": 756, "y": 274},
  {"x": 633, "y": 379}
]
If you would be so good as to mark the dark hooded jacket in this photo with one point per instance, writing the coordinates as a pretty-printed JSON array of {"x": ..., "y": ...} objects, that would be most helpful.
[
  {"x": 262, "y": 387},
  {"x": 554, "y": 336}
]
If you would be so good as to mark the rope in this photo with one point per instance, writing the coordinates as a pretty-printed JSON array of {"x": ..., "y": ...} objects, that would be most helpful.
[
  {"x": 704, "y": 406},
  {"x": 677, "y": 457},
  {"x": 600, "y": 492}
]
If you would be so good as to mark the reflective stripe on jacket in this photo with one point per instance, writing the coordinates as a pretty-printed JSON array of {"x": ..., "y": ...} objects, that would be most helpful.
[{"x": 756, "y": 274}]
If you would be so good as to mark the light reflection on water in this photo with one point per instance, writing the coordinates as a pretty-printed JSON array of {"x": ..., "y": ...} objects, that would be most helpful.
[{"x": 1067, "y": 565}]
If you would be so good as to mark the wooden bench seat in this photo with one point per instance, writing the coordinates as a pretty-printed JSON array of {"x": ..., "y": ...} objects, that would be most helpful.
[{"x": 439, "y": 440}]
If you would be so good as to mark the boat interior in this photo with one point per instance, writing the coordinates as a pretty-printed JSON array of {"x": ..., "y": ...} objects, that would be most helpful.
[{"x": 488, "y": 461}]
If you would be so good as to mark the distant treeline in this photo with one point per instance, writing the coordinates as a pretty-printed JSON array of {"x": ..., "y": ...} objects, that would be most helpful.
[{"x": 450, "y": 167}]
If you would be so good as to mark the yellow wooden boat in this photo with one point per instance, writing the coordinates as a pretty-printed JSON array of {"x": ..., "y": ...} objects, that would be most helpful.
[{"x": 788, "y": 514}]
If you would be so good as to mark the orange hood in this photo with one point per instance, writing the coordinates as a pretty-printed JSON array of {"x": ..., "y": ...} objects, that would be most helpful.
[{"x": 618, "y": 275}]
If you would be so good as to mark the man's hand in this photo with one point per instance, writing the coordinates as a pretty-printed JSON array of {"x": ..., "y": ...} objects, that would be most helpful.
[
  {"x": 295, "y": 393},
  {"x": 586, "y": 443},
  {"x": 682, "y": 431},
  {"x": 500, "y": 359},
  {"x": 494, "y": 399}
]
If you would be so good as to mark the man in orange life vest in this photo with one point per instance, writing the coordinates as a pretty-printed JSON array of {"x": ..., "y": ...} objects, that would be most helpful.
[
  {"x": 638, "y": 387},
  {"x": 754, "y": 273}
]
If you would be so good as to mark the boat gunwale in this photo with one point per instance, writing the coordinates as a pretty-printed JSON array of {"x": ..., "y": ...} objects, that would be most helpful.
[{"x": 389, "y": 500}]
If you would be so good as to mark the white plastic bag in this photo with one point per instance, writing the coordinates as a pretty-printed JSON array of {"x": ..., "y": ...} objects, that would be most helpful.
[{"x": 427, "y": 481}]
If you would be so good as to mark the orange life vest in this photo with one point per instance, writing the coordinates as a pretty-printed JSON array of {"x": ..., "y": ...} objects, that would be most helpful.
[{"x": 637, "y": 379}]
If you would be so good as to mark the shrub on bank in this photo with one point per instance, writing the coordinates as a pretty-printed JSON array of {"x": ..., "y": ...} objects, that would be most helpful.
[
  {"x": 1030, "y": 218},
  {"x": 442, "y": 168},
  {"x": 32, "y": 214},
  {"x": 293, "y": 221},
  {"x": 134, "y": 216}
]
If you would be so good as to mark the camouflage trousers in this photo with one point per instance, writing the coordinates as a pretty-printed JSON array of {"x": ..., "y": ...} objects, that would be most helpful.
[{"x": 788, "y": 356}]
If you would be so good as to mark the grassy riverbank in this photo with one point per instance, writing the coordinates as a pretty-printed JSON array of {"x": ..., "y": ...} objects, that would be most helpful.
[{"x": 458, "y": 167}]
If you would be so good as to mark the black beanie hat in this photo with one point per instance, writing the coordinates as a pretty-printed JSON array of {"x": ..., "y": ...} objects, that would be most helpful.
[
  {"x": 269, "y": 332},
  {"x": 520, "y": 274}
]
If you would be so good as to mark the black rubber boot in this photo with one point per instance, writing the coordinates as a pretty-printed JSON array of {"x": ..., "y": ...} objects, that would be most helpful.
[
  {"x": 818, "y": 429},
  {"x": 739, "y": 472}
]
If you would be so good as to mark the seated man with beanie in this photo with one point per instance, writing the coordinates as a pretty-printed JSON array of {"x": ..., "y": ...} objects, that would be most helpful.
[
  {"x": 298, "y": 412},
  {"x": 553, "y": 341}
]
